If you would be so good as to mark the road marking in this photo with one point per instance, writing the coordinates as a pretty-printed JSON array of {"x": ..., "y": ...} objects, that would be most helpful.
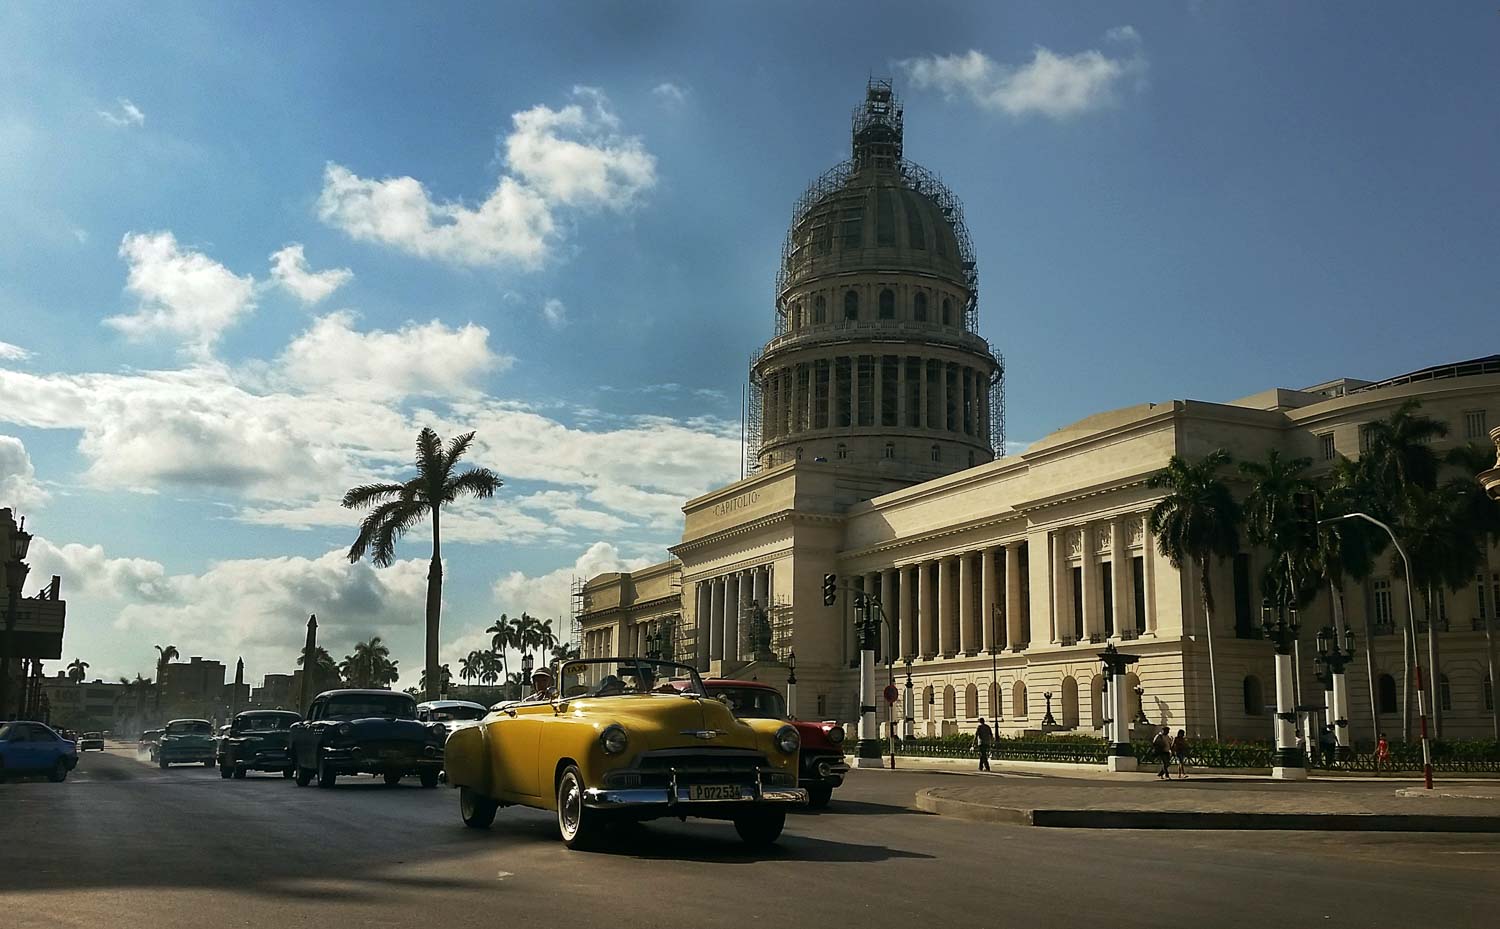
[{"x": 503, "y": 875}]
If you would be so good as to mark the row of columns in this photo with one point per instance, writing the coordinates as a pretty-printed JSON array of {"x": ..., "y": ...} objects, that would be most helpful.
[
  {"x": 809, "y": 395},
  {"x": 1086, "y": 615},
  {"x": 598, "y": 643},
  {"x": 723, "y": 602},
  {"x": 965, "y": 603}
]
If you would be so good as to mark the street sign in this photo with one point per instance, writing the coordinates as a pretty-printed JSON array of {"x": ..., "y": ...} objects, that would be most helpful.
[{"x": 891, "y": 694}]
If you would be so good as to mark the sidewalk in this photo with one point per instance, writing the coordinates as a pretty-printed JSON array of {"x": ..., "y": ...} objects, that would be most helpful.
[
  {"x": 1094, "y": 771},
  {"x": 1139, "y": 801}
]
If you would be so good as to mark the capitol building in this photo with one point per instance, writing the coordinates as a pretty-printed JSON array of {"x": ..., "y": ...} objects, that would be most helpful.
[{"x": 875, "y": 452}]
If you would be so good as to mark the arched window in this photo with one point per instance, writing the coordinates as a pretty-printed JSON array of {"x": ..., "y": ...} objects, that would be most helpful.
[
  {"x": 842, "y": 451},
  {"x": 919, "y": 307},
  {"x": 820, "y": 309},
  {"x": 937, "y": 452},
  {"x": 801, "y": 315},
  {"x": 994, "y": 702},
  {"x": 1018, "y": 699},
  {"x": 799, "y": 453},
  {"x": 950, "y": 703},
  {"x": 851, "y": 305},
  {"x": 890, "y": 450},
  {"x": 971, "y": 458},
  {"x": 971, "y": 702},
  {"x": 1255, "y": 700},
  {"x": 1096, "y": 701},
  {"x": 1070, "y": 702},
  {"x": 1385, "y": 693},
  {"x": 927, "y": 702},
  {"x": 947, "y": 311},
  {"x": 1445, "y": 694},
  {"x": 887, "y": 304}
]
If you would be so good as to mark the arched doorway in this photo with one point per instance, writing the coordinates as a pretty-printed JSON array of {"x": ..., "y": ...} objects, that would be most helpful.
[
  {"x": 1255, "y": 701},
  {"x": 1070, "y": 703},
  {"x": 971, "y": 702},
  {"x": 1018, "y": 700},
  {"x": 950, "y": 703},
  {"x": 1385, "y": 693},
  {"x": 994, "y": 706},
  {"x": 927, "y": 702}
]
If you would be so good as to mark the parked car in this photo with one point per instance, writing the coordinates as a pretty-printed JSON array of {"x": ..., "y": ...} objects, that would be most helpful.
[
  {"x": 365, "y": 732},
  {"x": 33, "y": 748},
  {"x": 186, "y": 741},
  {"x": 256, "y": 740},
  {"x": 821, "y": 765},
  {"x": 619, "y": 741},
  {"x": 91, "y": 740},
  {"x": 453, "y": 714}
]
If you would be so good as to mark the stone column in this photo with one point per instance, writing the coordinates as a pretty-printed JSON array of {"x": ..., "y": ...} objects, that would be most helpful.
[
  {"x": 1093, "y": 623},
  {"x": 732, "y": 617},
  {"x": 833, "y": 393},
  {"x": 1148, "y": 577},
  {"x": 702, "y": 622},
  {"x": 947, "y": 621},
  {"x": 853, "y": 391},
  {"x": 1124, "y": 602},
  {"x": 968, "y": 641},
  {"x": 1062, "y": 605},
  {"x": 890, "y": 630},
  {"x": 716, "y": 622},
  {"x": 943, "y": 396},
  {"x": 1013, "y": 606},
  {"x": 994, "y": 632},
  {"x": 901, "y": 403},
  {"x": 877, "y": 407},
  {"x": 760, "y": 581},
  {"x": 927, "y": 620},
  {"x": 909, "y": 612}
]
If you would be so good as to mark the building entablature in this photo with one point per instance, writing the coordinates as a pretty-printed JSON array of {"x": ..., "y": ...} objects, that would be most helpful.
[{"x": 884, "y": 337}]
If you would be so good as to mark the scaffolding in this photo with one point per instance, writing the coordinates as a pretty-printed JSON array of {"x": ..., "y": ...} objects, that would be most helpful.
[
  {"x": 754, "y": 410},
  {"x": 579, "y": 605},
  {"x": 997, "y": 405}
]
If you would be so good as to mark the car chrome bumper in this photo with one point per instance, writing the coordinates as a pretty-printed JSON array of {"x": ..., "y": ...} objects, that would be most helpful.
[{"x": 675, "y": 795}]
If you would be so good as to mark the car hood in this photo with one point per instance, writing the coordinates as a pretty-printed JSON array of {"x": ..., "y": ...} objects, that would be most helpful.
[
  {"x": 386, "y": 729},
  {"x": 186, "y": 738},
  {"x": 668, "y": 720}
]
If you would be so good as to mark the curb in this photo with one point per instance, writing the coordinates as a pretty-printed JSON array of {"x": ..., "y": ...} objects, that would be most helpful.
[{"x": 929, "y": 802}]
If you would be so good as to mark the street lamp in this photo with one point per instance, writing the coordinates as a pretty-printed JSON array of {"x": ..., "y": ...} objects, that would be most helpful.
[
  {"x": 1280, "y": 625},
  {"x": 16, "y": 570},
  {"x": 909, "y": 705},
  {"x": 1140, "y": 706},
  {"x": 791, "y": 683},
  {"x": 526, "y": 666},
  {"x": 1047, "y": 720},
  {"x": 1334, "y": 655}
]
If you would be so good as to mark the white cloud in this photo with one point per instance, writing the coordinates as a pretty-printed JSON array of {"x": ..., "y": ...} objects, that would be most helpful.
[
  {"x": 419, "y": 358},
  {"x": 9, "y": 352},
  {"x": 1051, "y": 85},
  {"x": 19, "y": 489},
  {"x": 568, "y": 157},
  {"x": 549, "y": 595},
  {"x": 255, "y": 607},
  {"x": 555, "y": 312},
  {"x": 289, "y": 269},
  {"x": 124, "y": 114},
  {"x": 670, "y": 92},
  {"x": 183, "y": 293}
]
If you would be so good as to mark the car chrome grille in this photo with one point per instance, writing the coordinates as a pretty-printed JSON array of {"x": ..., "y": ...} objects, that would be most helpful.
[{"x": 696, "y": 766}]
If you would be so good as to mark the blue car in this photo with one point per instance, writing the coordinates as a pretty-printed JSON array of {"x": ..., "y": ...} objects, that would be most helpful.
[{"x": 31, "y": 748}]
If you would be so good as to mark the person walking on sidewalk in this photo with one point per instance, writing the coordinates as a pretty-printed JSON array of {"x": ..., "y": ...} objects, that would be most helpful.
[
  {"x": 1382, "y": 754},
  {"x": 1162, "y": 746},
  {"x": 1180, "y": 752},
  {"x": 983, "y": 738}
]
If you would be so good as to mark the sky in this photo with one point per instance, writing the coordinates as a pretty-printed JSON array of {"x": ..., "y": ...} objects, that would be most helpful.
[{"x": 249, "y": 250}]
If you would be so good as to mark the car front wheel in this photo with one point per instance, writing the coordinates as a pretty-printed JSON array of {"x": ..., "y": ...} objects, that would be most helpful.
[
  {"x": 429, "y": 777},
  {"x": 477, "y": 810},
  {"x": 760, "y": 828},
  {"x": 161, "y": 763},
  {"x": 239, "y": 772},
  {"x": 59, "y": 772},
  {"x": 819, "y": 795},
  {"x": 304, "y": 776},
  {"x": 225, "y": 771},
  {"x": 579, "y": 825},
  {"x": 392, "y": 778},
  {"x": 326, "y": 774}
]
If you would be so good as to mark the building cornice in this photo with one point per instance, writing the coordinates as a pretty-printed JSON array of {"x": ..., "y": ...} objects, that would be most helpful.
[{"x": 755, "y": 525}]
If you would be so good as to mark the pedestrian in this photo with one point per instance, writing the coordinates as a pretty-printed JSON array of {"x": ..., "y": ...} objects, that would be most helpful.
[
  {"x": 1162, "y": 746},
  {"x": 983, "y": 737},
  {"x": 1180, "y": 752},
  {"x": 1301, "y": 747},
  {"x": 1382, "y": 754},
  {"x": 1328, "y": 746}
]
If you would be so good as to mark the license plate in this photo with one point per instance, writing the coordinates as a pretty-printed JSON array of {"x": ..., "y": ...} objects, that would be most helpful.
[
  {"x": 713, "y": 792},
  {"x": 391, "y": 753}
]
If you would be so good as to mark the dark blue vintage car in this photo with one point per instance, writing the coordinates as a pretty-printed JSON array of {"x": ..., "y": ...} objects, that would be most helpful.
[
  {"x": 186, "y": 741},
  {"x": 257, "y": 741},
  {"x": 365, "y": 732},
  {"x": 28, "y": 748}
]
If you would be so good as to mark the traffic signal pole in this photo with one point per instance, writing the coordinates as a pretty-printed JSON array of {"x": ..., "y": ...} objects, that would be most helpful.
[{"x": 870, "y": 615}]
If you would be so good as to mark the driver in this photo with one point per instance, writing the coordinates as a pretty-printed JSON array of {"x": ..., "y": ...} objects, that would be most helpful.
[
  {"x": 541, "y": 685},
  {"x": 610, "y": 686}
]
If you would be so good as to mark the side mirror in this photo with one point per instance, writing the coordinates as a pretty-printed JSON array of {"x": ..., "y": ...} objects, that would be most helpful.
[{"x": 560, "y": 706}]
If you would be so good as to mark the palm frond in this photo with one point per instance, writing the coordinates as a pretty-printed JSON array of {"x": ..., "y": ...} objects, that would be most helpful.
[
  {"x": 371, "y": 526},
  {"x": 430, "y": 456},
  {"x": 475, "y": 482},
  {"x": 406, "y": 515},
  {"x": 357, "y": 498},
  {"x": 456, "y": 448}
]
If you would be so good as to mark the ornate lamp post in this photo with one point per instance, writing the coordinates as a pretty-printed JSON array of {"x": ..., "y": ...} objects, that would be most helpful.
[
  {"x": 526, "y": 665},
  {"x": 16, "y": 570},
  {"x": 910, "y": 704},
  {"x": 1140, "y": 706},
  {"x": 1334, "y": 655},
  {"x": 868, "y": 752},
  {"x": 1047, "y": 720},
  {"x": 1281, "y": 626},
  {"x": 791, "y": 683},
  {"x": 1117, "y": 711}
]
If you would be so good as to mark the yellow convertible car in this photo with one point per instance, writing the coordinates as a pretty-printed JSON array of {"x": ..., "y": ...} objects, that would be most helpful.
[{"x": 616, "y": 740}]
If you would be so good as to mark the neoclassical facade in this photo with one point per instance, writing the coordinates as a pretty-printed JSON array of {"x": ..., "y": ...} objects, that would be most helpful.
[{"x": 1003, "y": 578}]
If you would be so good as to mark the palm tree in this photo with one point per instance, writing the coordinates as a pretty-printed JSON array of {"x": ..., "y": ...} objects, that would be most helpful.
[
  {"x": 503, "y": 635},
  {"x": 78, "y": 670},
  {"x": 164, "y": 654},
  {"x": 1400, "y": 449},
  {"x": 471, "y": 665},
  {"x": 445, "y": 677},
  {"x": 1198, "y": 522},
  {"x": 1484, "y": 519},
  {"x": 324, "y": 670},
  {"x": 395, "y": 508},
  {"x": 1271, "y": 520},
  {"x": 490, "y": 668},
  {"x": 515, "y": 685},
  {"x": 370, "y": 665},
  {"x": 528, "y": 633},
  {"x": 137, "y": 689},
  {"x": 566, "y": 651},
  {"x": 546, "y": 639}
]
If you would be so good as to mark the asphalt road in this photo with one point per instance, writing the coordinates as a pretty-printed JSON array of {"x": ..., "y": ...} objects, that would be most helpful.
[{"x": 122, "y": 843}]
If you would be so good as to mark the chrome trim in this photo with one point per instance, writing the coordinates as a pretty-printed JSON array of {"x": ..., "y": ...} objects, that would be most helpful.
[{"x": 596, "y": 798}]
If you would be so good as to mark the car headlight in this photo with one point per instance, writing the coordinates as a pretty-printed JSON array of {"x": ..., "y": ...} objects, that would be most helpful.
[
  {"x": 836, "y": 735},
  {"x": 439, "y": 730},
  {"x": 613, "y": 739},
  {"x": 787, "y": 739},
  {"x": 345, "y": 730}
]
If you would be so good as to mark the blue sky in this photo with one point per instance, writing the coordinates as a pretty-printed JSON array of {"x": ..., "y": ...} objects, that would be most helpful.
[{"x": 250, "y": 249}]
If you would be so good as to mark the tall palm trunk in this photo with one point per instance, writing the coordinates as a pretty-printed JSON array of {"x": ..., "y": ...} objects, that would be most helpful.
[
  {"x": 1206, "y": 586},
  {"x": 1370, "y": 676},
  {"x": 434, "y": 605}
]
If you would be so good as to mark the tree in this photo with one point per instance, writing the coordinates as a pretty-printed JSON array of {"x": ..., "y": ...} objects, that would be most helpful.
[
  {"x": 1271, "y": 520},
  {"x": 395, "y": 508},
  {"x": 515, "y": 685},
  {"x": 78, "y": 670},
  {"x": 471, "y": 665},
  {"x": 370, "y": 665},
  {"x": 504, "y": 635},
  {"x": 1400, "y": 450},
  {"x": 546, "y": 639},
  {"x": 490, "y": 668},
  {"x": 164, "y": 655},
  {"x": 135, "y": 691},
  {"x": 566, "y": 651},
  {"x": 1483, "y": 514},
  {"x": 445, "y": 677},
  {"x": 325, "y": 672},
  {"x": 1198, "y": 522},
  {"x": 528, "y": 633}
]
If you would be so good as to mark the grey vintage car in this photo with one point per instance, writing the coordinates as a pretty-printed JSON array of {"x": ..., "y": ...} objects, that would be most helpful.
[
  {"x": 365, "y": 732},
  {"x": 257, "y": 741}
]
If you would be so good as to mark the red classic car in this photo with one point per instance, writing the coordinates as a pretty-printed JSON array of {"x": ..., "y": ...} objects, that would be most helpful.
[{"x": 822, "y": 759}]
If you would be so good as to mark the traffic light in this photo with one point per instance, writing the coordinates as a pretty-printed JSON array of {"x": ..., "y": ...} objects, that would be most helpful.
[
  {"x": 1305, "y": 507},
  {"x": 830, "y": 589}
]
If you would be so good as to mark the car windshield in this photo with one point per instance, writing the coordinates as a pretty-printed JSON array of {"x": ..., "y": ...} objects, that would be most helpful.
[
  {"x": 271, "y": 723},
  {"x": 751, "y": 702},
  {"x": 443, "y": 714},
  {"x": 362, "y": 706},
  {"x": 189, "y": 727},
  {"x": 617, "y": 677}
]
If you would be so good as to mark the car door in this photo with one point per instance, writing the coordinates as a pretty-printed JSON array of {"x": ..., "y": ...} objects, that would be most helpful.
[
  {"x": 517, "y": 735},
  {"x": 47, "y": 746},
  {"x": 19, "y": 751}
]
